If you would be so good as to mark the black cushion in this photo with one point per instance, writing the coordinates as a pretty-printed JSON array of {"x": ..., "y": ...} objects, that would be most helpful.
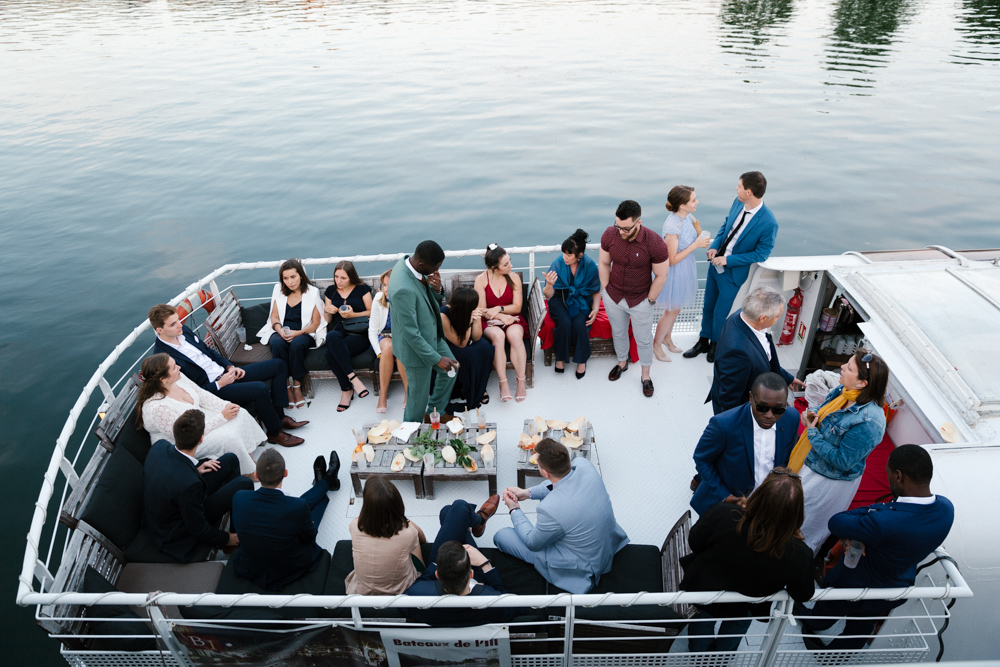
[
  {"x": 518, "y": 577},
  {"x": 115, "y": 505},
  {"x": 136, "y": 441},
  {"x": 255, "y": 317},
  {"x": 142, "y": 549},
  {"x": 313, "y": 583},
  {"x": 635, "y": 568},
  {"x": 94, "y": 582}
]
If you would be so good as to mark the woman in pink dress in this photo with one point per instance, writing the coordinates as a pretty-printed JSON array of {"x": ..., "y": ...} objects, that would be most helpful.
[{"x": 500, "y": 296}]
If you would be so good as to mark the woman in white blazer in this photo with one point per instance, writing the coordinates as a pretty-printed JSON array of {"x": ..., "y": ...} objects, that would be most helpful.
[
  {"x": 380, "y": 336},
  {"x": 295, "y": 325}
]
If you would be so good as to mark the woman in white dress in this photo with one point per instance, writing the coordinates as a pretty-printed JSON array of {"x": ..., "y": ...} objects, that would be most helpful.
[{"x": 165, "y": 394}]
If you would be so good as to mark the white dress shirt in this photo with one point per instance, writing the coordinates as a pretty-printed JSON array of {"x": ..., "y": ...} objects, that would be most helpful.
[
  {"x": 212, "y": 369},
  {"x": 928, "y": 500},
  {"x": 416, "y": 274},
  {"x": 746, "y": 223},
  {"x": 189, "y": 457},
  {"x": 761, "y": 337},
  {"x": 763, "y": 452}
]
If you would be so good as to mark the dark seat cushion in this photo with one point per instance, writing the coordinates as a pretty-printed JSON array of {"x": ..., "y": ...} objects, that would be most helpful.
[
  {"x": 518, "y": 577},
  {"x": 94, "y": 582},
  {"x": 636, "y": 568},
  {"x": 255, "y": 317},
  {"x": 259, "y": 352},
  {"x": 316, "y": 359},
  {"x": 136, "y": 441},
  {"x": 142, "y": 549},
  {"x": 115, "y": 505},
  {"x": 312, "y": 583}
]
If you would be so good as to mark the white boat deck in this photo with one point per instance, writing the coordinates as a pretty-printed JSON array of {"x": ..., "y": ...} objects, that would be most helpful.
[{"x": 644, "y": 445}]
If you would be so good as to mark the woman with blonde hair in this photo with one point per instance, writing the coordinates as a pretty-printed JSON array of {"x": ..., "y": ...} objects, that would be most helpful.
[
  {"x": 753, "y": 547},
  {"x": 165, "y": 394},
  {"x": 380, "y": 337}
]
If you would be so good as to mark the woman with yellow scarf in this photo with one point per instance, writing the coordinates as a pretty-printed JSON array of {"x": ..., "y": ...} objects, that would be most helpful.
[{"x": 830, "y": 455}]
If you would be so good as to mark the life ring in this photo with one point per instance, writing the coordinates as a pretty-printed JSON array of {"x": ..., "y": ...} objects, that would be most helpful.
[{"x": 188, "y": 306}]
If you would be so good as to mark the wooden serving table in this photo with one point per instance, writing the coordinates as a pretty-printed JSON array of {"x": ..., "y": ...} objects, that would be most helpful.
[
  {"x": 587, "y": 450},
  {"x": 384, "y": 454},
  {"x": 444, "y": 472}
]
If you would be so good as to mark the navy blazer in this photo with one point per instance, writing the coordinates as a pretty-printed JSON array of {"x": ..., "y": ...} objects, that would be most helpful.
[
  {"x": 174, "y": 504},
  {"x": 739, "y": 359},
  {"x": 755, "y": 242},
  {"x": 277, "y": 538},
  {"x": 897, "y": 537},
  {"x": 725, "y": 457},
  {"x": 190, "y": 369},
  {"x": 429, "y": 584}
]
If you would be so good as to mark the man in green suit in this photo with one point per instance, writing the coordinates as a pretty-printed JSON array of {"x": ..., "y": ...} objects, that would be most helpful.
[{"x": 417, "y": 335}]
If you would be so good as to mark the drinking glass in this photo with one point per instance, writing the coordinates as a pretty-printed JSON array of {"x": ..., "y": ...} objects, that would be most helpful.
[
  {"x": 287, "y": 330},
  {"x": 241, "y": 332},
  {"x": 344, "y": 308},
  {"x": 360, "y": 436},
  {"x": 481, "y": 418},
  {"x": 362, "y": 461},
  {"x": 852, "y": 554},
  {"x": 429, "y": 461},
  {"x": 435, "y": 420}
]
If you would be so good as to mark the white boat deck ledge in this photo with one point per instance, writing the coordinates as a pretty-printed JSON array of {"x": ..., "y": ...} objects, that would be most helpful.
[{"x": 644, "y": 447}]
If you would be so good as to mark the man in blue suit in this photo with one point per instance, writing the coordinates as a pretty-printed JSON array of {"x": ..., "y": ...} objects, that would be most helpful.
[
  {"x": 747, "y": 237},
  {"x": 278, "y": 532},
  {"x": 212, "y": 372},
  {"x": 576, "y": 536},
  {"x": 740, "y": 447},
  {"x": 746, "y": 349},
  {"x": 184, "y": 498},
  {"x": 897, "y": 536}
]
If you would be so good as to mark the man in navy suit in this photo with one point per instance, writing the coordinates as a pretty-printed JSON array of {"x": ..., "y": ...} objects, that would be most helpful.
[
  {"x": 184, "y": 498},
  {"x": 740, "y": 447},
  {"x": 747, "y": 237},
  {"x": 897, "y": 536},
  {"x": 746, "y": 349},
  {"x": 212, "y": 372},
  {"x": 278, "y": 532}
]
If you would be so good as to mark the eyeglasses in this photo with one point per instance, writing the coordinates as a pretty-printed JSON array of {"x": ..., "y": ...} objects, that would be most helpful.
[
  {"x": 625, "y": 229},
  {"x": 776, "y": 410},
  {"x": 785, "y": 473}
]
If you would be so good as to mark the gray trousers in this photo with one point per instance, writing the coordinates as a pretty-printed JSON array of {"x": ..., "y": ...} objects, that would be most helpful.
[{"x": 641, "y": 316}]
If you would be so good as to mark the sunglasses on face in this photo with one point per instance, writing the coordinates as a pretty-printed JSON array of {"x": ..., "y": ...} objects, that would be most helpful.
[{"x": 776, "y": 410}]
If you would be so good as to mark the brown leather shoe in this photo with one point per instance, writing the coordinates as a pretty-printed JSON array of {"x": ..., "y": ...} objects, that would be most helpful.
[
  {"x": 647, "y": 388},
  {"x": 488, "y": 509},
  {"x": 285, "y": 439},
  {"x": 290, "y": 424},
  {"x": 616, "y": 371}
]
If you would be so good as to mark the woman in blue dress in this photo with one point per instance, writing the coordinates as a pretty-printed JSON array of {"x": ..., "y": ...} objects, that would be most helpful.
[
  {"x": 573, "y": 288},
  {"x": 682, "y": 240}
]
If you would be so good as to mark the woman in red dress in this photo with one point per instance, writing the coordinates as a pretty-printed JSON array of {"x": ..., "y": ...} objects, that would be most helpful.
[{"x": 500, "y": 296}]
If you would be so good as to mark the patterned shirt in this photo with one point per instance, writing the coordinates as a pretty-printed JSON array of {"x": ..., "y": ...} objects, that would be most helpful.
[{"x": 632, "y": 263}]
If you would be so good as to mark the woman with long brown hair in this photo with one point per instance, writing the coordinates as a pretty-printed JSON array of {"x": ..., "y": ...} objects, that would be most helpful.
[
  {"x": 165, "y": 394},
  {"x": 383, "y": 541},
  {"x": 348, "y": 304},
  {"x": 753, "y": 547},
  {"x": 463, "y": 329},
  {"x": 500, "y": 299}
]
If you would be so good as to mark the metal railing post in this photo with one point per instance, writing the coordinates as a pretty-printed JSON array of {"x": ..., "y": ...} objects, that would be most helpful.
[
  {"x": 775, "y": 632},
  {"x": 568, "y": 639},
  {"x": 164, "y": 628},
  {"x": 531, "y": 266}
]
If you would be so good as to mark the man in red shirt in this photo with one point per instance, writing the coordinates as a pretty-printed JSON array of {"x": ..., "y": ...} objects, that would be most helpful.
[{"x": 631, "y": 256}]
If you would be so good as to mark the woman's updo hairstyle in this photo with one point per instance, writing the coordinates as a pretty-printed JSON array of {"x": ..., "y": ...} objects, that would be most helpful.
[
  {"x": 678, "y": 196},
  {"x": 494, "y": 253},
  {"x": 153, "y": 373},
  {"x": 576, "y": 244}
]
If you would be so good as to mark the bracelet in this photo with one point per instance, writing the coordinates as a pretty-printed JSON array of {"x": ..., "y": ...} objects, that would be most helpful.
[{"x": 488, "y": 562}]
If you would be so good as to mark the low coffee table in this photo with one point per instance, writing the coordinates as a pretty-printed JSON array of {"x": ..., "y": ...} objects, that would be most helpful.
[
  {"x": 444, "y": 471},
  {"x": 587, "y": 450},
  {"x": 384, "y": 454}
]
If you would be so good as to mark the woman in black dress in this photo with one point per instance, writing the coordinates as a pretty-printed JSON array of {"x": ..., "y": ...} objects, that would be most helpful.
[
  {"x": 755, "y": 551},
  {"x": 463, "y": 328},
  {"x": 348, "y": 303}
]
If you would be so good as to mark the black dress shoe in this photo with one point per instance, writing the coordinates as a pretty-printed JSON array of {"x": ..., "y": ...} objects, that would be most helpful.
[
  {"x": 616, "y": 371},
  {"x": 701, "y": 346},
  {"x": 319, "y": 469},
  {"x": 331, "y": 472},
  {"x": 710, "y": 357},
  {"x": 647, "y": 388},
  {"x": 560, "y": 370},
  {"x": 579, "y": 375}
]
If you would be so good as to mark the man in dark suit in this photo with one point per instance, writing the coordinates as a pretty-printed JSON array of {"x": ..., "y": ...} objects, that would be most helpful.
[
  {"x": 212, "y": 372},
  {"x": 896, "y": 536},
  {"x": 184, "y": 498},
  {"x": 746, "y": 349},
  {"x": 747, "y": 237},
  {"x": 278, "y": 532},
  {"x": 741, "y": 446},
  {"x": 457, "y": 567}
]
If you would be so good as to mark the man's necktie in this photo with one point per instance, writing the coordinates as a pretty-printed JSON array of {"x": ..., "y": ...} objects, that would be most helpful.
[{"x": 736, "y": 229}]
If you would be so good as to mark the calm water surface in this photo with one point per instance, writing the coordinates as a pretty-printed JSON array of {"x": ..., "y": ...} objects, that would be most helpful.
[{"x": 143, "y": 144}]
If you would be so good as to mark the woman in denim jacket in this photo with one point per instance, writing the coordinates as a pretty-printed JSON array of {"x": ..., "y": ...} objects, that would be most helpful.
[{"x": 838, "y": 438}]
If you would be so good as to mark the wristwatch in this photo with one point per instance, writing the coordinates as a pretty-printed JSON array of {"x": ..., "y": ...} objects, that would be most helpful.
[{"x": 501, "y": 309}]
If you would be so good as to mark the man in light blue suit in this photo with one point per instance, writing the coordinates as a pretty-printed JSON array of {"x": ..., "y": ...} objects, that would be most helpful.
[
  {"x": 741, "y": 446},
  {"x": 576, "y": 536},
  {"x": 747, "y": 237}
]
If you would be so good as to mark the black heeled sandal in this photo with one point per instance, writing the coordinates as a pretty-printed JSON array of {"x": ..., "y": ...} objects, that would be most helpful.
[
  {"x": 351, "y": 378},
  {"x": 344, "y": 406}
]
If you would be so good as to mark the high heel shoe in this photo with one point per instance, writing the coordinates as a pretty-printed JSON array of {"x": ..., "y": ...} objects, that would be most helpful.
[
  {"x": 671, "y": 347},
  {"x": 520, "y": 399},
  {"x": 560, "y": 370},
  {"x": 505, "y": 397},
  {"x": 660, "y": 354},
  {"x": 363, "y": 392},
  {"x": 381, "y": 410},
  {"x": 344, "y": 406},
  {"x": 298, "y": 404},
  {"x": 580, "y": 374}
]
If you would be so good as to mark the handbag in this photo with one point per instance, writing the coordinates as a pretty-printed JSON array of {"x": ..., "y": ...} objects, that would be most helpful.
[{"x": 355, "y": 325}]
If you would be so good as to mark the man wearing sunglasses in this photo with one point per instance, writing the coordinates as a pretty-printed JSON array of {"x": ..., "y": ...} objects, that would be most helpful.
[{"x": 741, "y": 446}]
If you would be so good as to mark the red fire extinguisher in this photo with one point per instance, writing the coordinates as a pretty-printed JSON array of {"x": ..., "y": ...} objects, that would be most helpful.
[{"x": 791, "y": 318}]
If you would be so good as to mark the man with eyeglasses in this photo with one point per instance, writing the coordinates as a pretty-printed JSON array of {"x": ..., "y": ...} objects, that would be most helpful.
[
  {"x": 741, "y": 446},
  {"x": 633, "y": 268}
]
